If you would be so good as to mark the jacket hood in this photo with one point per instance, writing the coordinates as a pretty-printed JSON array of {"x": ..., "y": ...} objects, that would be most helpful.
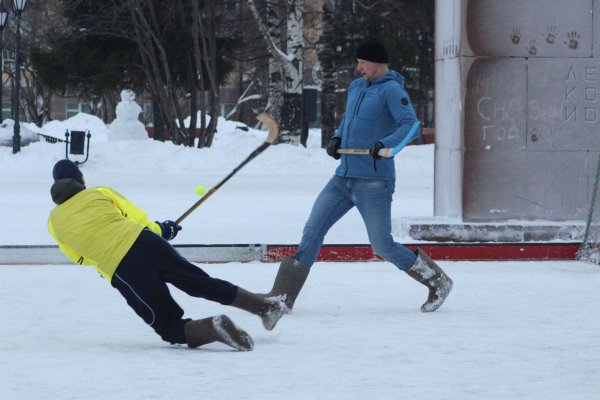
[
  {"x": 390, "y": 76},
  {"x": 67, "y": 169},
  {"x": 64, "y": 189}
]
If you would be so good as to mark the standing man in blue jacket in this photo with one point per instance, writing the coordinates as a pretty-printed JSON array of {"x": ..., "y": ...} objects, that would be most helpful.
[{"x": 378, "y": 115}]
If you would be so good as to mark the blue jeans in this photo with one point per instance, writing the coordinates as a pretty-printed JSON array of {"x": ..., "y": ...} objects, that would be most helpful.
[{"x": 373, "y": 199}]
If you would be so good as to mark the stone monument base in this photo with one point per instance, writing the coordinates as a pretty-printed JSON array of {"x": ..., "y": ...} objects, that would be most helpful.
[{"x": 442, "y": 230}]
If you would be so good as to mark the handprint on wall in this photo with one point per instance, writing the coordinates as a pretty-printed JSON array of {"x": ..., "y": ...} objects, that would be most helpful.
[
  {"x": 454, "y": 46},
  {"x": 551, "y": 33},
  {"x": 515, "y": 36},
  {"x": 449, "y": 47},
  {"x": 573, "y": 41},
  {"x": 532, "y": 49}
]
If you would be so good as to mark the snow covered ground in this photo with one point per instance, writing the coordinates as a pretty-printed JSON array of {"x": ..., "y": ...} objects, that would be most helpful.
[
  {"x": 526, "y": 330},
  {"x": 510, "y": 330}
]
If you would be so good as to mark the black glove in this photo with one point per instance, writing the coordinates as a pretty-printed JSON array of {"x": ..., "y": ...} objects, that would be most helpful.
[
  {"x": 169, "y": 229},
  {"x": 374, "y": 152},
  {"x": 333, "y": 146}
]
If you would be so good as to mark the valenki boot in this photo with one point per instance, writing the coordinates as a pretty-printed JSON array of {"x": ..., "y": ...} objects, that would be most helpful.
[
  {"x": 427, "y": 272},
  {"x": 217, "y": 329},
  {"x": 270, "y": 310},
  {"x": 289, "y": 280}
]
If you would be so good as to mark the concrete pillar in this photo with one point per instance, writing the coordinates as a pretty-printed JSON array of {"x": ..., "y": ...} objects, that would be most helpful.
[{"x": 517, "y": 109}]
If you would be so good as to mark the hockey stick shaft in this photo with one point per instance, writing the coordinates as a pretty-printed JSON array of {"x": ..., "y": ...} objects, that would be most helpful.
[
  {"x": 388, "y": 151},
  {"x": 273, "y": 132}
]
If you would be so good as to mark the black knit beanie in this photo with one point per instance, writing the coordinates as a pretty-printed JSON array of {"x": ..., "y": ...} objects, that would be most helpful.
[
  {"x": 67, "y": 169},
  {"x": 374, "y": 51}
]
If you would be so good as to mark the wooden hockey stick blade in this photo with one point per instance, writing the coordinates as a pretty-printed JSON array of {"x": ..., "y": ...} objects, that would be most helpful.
[
  {"x": 271, "y": 125},
  {"x": 273, "y": 133},
  {"x": 388, "y": 151}
]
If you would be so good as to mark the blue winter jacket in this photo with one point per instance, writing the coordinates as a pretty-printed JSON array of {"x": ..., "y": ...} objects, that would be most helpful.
[{"x": 379, "y": 110}]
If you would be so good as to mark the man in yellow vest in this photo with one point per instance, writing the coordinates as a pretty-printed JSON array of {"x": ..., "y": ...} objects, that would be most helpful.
[{"x": 98, "y": 226}]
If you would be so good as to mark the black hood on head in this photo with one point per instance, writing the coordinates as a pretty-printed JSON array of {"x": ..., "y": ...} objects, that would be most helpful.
[
  {"x": 64, "y": 189},
  {"x": 67, "y": 169}
]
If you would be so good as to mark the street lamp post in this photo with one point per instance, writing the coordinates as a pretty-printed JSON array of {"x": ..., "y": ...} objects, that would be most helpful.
[
  {"x": 3, "y": 17},
  {"x": 18, "y": 8}
]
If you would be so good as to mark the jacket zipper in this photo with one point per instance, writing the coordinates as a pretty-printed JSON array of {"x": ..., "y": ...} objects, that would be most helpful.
[{"x": 360, "y": 100}]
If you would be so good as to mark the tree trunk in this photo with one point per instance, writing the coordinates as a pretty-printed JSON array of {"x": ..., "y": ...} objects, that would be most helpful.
[
  {"x": 291, "y": 116},
  {"x": 205, "y": 53},
  {"x": 327, "y": 59},
  {"x": 290, "y": 121},
  {"x": 159, "y": 126},
  {"x": 193, "y": 104},
  {"x": 157, "y": 69},
  {"x": 276, "y": 73}
]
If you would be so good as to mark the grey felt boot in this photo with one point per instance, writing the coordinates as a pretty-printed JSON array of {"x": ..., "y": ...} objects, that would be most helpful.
[
  {"x": 289, "y": 280},
  {"x": 270, "y": 310},
  {"x": 217, "y": 329},
  {"x": 427, "y": 272}
]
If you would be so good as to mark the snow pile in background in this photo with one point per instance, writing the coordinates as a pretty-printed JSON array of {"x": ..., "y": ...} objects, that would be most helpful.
[{"x": 277, "y": 187}]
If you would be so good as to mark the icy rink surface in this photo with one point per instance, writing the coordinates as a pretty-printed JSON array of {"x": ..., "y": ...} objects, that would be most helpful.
[{"x": 509, "y": 330}]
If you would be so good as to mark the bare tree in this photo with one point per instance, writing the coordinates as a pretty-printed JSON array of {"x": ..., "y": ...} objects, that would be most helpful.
[
  {"x": 169, "y": 49},
  {"x": 326, "y": 53},
  {"x": 275, "y": 30},
  {"x": 198, "y": 22},
  {"x": 291, "y": 64},
  {"x": 205, "y": 52},
  {"x": 158, "y": 70},
  {"x": 39, "y": 23}
]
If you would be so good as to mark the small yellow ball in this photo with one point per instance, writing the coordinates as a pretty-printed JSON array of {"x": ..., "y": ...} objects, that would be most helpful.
[{"x": 200, "y": 190}]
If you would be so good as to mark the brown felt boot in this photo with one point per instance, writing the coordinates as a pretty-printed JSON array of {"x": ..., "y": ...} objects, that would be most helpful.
[
  {"x": 217, "y": 329},
  {"x": 270, "y": 310},
  {"x": 289, "y": 280},
  {"x": 427, "y": 272}
]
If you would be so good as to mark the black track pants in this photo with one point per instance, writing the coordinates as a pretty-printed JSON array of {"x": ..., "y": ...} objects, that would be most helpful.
[{"x": 142, "y": 278}]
